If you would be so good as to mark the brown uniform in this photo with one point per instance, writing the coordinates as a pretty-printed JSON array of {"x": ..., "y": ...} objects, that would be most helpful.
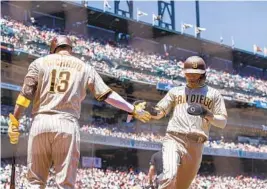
[
  {"x": 54, "y": 136},
  {"x": 183, "y": 143}
]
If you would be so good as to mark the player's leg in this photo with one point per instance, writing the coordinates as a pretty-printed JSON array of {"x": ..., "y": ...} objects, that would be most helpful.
[
  {"x": 171, "y": 160},
  {"x": 38, "y": 160},
  {"x": 65, "y": 155},
  {"x": 189, "y": 166}
]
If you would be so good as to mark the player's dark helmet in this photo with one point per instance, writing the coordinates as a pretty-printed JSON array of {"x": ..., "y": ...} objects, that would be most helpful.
[
  {"x": 59, "y": 41},
  {"x": 195, "y": 64}
]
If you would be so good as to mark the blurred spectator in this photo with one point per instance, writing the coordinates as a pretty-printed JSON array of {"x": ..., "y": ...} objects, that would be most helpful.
[
  {"x": 112, "y": 130},
  {"x": 35, "y": 40},
  {"x": 121, "y": 178},
  {"x": 102, "y": 128}
]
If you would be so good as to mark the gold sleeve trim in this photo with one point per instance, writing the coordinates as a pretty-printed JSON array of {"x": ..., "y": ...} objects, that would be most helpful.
[{"x": 100, "y": 98}]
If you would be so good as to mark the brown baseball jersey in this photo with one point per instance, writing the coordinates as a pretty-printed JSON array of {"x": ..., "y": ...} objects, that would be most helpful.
[
  {"x": 62, "y": 84},
  {"x": 178, "y": 100}
]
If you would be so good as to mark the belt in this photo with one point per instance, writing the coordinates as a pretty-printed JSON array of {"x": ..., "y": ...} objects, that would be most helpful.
[{"x": 190, "y": 136}]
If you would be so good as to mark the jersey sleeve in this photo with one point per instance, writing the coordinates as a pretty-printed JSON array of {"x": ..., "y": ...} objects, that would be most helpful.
[
  {"x": 31, "y": 80},
  {"x": 97, "y": 85},
  {"x": 219, "y": 105},
  {"x": 167, "y": 102}
]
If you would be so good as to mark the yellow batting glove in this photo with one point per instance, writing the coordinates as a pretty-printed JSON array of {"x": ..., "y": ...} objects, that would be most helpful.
[
  {"x": 13, "y": 129},
  {"x": 140, "y": 114}
]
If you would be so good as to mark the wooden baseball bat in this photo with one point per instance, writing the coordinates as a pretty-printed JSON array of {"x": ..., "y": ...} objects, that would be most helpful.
[{"x": 13, "y": 169}]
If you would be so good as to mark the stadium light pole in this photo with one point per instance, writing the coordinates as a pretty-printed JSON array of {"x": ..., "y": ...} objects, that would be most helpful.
[{"x": 197, "y": 17}]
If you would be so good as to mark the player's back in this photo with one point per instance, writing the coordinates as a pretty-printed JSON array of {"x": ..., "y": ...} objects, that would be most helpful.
[{"x": 62, "y": 83}]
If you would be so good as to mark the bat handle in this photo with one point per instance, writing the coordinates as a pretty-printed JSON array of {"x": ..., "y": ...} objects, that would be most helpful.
[{"x": 13, "y": 169}]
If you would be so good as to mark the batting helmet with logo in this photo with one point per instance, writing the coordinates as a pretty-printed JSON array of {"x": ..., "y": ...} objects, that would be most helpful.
[
  {"x": 58, "y": 41},
  {"x": 194, "y": 64}
]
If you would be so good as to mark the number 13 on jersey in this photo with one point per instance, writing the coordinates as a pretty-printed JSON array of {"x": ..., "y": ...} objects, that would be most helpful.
[{"x": 59, "y": 81}]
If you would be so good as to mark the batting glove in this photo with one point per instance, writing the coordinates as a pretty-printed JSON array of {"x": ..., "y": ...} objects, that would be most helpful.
[
  {"x": 13, "y": 129},
  {"x": 139, "y": 112}
]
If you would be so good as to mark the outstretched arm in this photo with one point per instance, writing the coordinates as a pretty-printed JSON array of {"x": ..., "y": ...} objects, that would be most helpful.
[
  {"x": 103, "y": 93},
  {"x": 136, "y": 111},
  {"x": 155, "y": 112},
  {"x": 164, "y": 106},
  {"x": 117, "y": 101},
  {"x": 158, "y": 114}
]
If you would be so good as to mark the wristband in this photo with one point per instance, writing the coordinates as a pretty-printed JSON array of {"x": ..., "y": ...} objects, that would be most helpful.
[{"x": 23, "y": 101}]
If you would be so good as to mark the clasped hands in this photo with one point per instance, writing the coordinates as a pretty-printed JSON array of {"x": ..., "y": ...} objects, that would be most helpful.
[{"x": 140, "y": 111}]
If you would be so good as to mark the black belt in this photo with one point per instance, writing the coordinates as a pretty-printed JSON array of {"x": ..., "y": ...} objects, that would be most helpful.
[{"x": 190, "y": 136}]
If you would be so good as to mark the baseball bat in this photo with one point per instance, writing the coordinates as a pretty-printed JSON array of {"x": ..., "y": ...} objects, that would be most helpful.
[{"x": 13, "y": 169}]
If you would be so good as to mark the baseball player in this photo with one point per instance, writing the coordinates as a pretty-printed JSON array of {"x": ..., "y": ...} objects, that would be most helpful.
[
  {"x": 194, "y": 108},
  {"x": 57, "y": 85}
]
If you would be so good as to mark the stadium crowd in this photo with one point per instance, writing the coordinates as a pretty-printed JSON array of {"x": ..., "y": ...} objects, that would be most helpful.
[
  {"x": 102, "y": 128},
  {"x": 227, "y": 182},
  {"x": 97, "y": 52},
  {"x": 35, "y": 39},
  {"x": 123, "y": 178},
  {"x": 123, "y": 132}
]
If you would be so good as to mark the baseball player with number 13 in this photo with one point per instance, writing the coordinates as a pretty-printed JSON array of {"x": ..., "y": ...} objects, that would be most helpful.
[
  {"x": 194, "y": 108},
  {"x": 57, "y": 85}
]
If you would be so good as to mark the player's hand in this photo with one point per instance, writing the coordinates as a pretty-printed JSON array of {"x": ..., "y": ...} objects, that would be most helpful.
[
  {"x": 198, "y": 110},
  {"x": 139, "y": 111},
  {"x": 13, "y": 129}
]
